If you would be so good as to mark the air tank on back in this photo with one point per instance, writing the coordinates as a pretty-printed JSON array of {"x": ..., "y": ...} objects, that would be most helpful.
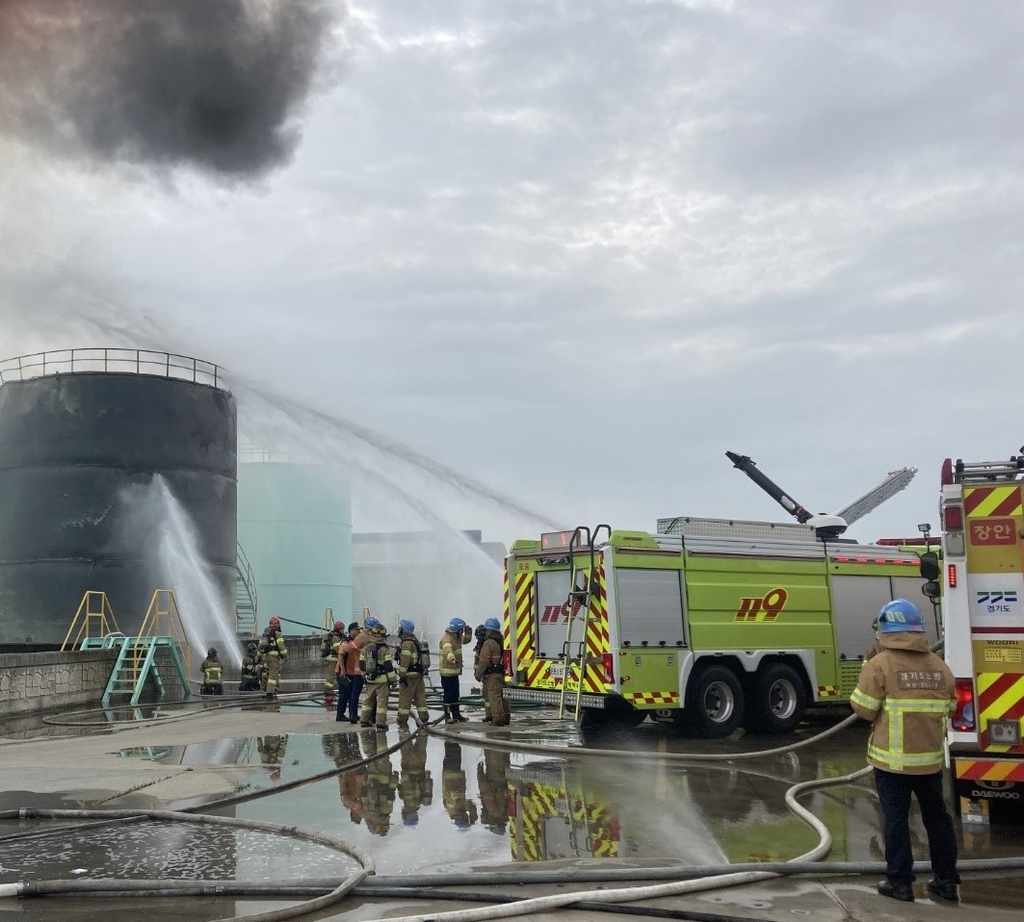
[{"x": 99, "y": 450}]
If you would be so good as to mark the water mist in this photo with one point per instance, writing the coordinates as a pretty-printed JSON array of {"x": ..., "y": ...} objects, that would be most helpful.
[{"x": 172, "y": 550}]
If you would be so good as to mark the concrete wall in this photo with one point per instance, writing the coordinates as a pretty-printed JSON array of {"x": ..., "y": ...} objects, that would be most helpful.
[
  {"x": 34, "y": 681},
  {"x": 46, "y": 681}
]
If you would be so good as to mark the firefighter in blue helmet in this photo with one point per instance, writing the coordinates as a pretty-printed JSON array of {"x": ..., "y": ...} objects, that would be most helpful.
[
  {"x": 456, "y": 635},
  {"x": 410, "y": 668},
  {"x": 489, "y": 671},
  {"x": 378, "y": 674},
  {"x": 907, "y": 693}
]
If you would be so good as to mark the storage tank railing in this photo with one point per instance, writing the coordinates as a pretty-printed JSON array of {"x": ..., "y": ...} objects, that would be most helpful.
[{"x": 115, "y": 360}]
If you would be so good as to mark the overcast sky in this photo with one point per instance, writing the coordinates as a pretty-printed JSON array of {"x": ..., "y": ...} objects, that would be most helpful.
[{"x": 574, "y": 251}]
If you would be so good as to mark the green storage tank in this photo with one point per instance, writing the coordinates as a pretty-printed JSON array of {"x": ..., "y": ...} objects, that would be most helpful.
[{"x": 295, "y": 526}]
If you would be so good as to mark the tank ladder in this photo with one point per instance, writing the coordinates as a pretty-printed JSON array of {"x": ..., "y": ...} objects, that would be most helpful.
[{"x": 582, "y": 584}]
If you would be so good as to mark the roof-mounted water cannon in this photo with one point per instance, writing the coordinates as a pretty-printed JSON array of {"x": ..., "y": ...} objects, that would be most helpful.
[{"x": 826, "y": 527}]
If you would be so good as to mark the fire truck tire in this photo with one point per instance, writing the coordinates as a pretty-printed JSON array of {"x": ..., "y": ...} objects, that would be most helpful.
[
  {"x": 778, "y": 700},
  {"x": 714, "y": 700}
]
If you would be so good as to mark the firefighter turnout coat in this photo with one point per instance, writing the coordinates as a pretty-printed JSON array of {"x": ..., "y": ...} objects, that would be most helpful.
[{"x": 908, "y": 693}]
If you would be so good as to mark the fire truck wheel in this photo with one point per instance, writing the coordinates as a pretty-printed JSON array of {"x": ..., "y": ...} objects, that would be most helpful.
[
  {"x": 715, "y": 701},
  {"x": 778, "y": 700}
]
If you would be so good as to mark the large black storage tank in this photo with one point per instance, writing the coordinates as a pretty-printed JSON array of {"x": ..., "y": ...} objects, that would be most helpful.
[{"x": 78, "y": 449}]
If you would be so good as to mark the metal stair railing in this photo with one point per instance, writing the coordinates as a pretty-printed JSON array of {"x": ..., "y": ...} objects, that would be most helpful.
[
  {"x": 246, "y": 599},
  {"x": 587, "y": 597}
]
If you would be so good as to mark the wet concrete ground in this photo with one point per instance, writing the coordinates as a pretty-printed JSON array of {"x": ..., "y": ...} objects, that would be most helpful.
[{"x": 437, "y": 804}]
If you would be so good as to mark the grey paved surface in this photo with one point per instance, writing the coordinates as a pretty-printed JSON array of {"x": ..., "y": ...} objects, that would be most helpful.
[{"x": 40, "y": 770}]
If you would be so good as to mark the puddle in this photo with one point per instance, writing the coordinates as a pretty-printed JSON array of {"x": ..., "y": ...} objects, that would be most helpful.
[{"x": 438, "y": 804}]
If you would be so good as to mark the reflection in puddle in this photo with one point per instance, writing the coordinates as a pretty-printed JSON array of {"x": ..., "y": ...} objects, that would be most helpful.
[{"x": 437, "y": 803}]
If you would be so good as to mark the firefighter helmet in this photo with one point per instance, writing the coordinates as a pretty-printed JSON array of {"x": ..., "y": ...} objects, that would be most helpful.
[
  {"x": 212, "y": 652},
  {"x": 275, "y": 622},
  {"x": 250, "y": 647},
  {"x": 371, "y": 622},
  {"x": 406, "y": 626},
  {"x": 900, "y": 615},
  {"x": 492, "y": 624},
  {"x": 456, "y": 625},
  {"x": 338, "y": 626},
  {"x": 480, "y": 631}
]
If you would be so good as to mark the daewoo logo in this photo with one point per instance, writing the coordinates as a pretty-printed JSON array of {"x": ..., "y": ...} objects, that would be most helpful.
[
  {"x": 552, "y": 614},
  {"x": 763, "y": 608}
]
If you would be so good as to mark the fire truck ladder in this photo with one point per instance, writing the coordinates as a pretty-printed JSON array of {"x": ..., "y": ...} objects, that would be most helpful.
[
  {"x": 982, "y": 471},
  {"x": 582, "y": 583}
]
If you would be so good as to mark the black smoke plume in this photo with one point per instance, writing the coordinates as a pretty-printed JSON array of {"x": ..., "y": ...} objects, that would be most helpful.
[{"x": 216, "y": 85}]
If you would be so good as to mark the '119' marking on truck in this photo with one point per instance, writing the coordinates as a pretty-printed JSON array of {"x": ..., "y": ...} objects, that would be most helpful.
[{"x": 766, "y": 608}]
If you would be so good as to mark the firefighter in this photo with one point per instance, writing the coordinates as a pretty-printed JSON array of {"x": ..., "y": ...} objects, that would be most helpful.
[
  {"x": 481, "y": 635},
  {"x": 274, "y": 652},
  {"x": 416, "y": 789},
  {"x": 492, "y": 782},
  {"x": 349, "y": 678},
  {"x": 329, "y": 648},
  {"x": 378, "y": 674},
  {"x": 453, "y": 788},
  {"x": 250, "y": 669},
  {"x": 380, "y": 787},
  {"x": 272, "y": 750},
  {"x": 489, "y": 671},
  {"x": 410, "y": 667},
  {"x": 213, "y": 674},
  {"x": 457, "y": 634},
  {"x": 907, "y": 693}
]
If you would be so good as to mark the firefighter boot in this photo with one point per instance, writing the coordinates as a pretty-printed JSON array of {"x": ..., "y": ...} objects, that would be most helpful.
[
  {"x": 449, "y": 717},
  {"x": 457, "y": 715}
]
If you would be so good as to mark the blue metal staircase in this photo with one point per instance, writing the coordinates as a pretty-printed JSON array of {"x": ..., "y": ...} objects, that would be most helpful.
[{"x": 136, "y": 664}]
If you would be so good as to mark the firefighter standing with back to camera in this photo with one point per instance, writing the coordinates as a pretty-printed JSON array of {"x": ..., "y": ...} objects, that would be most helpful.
[
  {"x": 410, "y": 676},
  {"x": 213, "y": 674},
  {"x": 908, "y": 693},
  {"x": 274, "y": 652},
  {"x": 489, "y": 671},
  {"x": 378, "y": 675},
  {"x": 456, "y": 635}
]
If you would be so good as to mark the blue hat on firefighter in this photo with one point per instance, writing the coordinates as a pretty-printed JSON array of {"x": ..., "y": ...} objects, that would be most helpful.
[
  {"x": 492, "y": 624},
  {"x": 371, "y": 622},
  {"x": 456, "y": 625},
  {"x": 900, "y": 615},
  {"x": 406, "y": 626}
]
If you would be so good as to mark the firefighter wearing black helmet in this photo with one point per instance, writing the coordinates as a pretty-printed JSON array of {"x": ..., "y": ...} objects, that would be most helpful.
[
  {"x": 250, "y": 669},
  {"x": 213, "y": 674}
]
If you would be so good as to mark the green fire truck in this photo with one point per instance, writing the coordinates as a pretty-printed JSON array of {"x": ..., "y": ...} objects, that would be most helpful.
[{"x": 723, "y": 624}]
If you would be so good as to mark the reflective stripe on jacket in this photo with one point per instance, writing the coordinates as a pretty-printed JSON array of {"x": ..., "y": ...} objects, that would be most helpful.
[
  {"x": 408, "y": 656},
  {"x": 907, "y": 693},
  {"x": 451, "y": 654},
  {"x": 212, "y": 672}
]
